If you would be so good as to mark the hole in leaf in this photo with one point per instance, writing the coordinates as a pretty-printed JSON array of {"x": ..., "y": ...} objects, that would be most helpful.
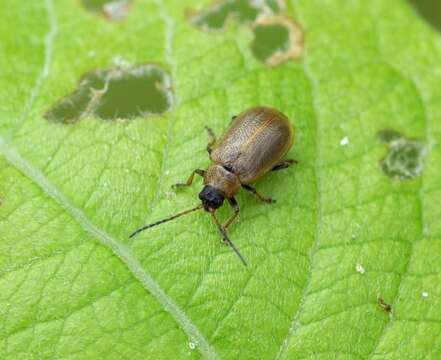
[
  {"x": 404, "y": 159},
  {"x": 430, "y": 10},
  {"x": 277, "y": 40},
  {"x": 268, "y": 39},
  {"x": 119, "y": 93},
  {"x": 114, "y": 10},
  {"x": 243, "y": 11}
]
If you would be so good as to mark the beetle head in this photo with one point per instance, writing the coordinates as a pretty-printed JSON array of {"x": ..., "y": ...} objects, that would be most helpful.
[{"x": 211, "y": 198}]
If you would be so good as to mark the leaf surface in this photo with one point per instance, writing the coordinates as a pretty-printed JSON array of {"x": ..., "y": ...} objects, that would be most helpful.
[{"x": 342, "y": 234}]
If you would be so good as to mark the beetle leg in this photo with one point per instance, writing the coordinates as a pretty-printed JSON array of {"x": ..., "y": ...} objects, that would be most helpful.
[
  {"x": 190, "y": 178},
  {"x": 260, "y": 197},
  {"x": 284, "y": 164},
  {"x": 212, "y": 139},
  {"x": 235, "y": 206}
]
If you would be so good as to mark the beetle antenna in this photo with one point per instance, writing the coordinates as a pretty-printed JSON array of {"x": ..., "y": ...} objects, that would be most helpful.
[
  {"x": 136, "y": 232},
  {"x": 227, "y": 239}
]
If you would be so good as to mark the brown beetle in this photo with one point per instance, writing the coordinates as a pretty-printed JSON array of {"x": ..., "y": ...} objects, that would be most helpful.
[{"x": 254, "y": 144}]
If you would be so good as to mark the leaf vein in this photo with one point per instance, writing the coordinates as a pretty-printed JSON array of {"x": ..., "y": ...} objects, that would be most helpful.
[
  {"x": 48, "y": 54},
  {"x": 315, "y": 246}
]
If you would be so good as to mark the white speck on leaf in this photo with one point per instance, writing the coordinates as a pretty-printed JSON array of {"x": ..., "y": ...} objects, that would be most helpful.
[
  {"x": 425, "y": 294},
  {"x": 120, "y": 62},
  {"x": 192, "y": 345},
  {"x": 344, "y": 141},
  {"x": 360, "y": 269},
  {"x": 116, "y": 10},
  {"x": 169, "y": 194}
]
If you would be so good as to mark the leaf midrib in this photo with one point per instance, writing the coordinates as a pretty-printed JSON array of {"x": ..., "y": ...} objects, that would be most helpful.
[{"x": 117, "y": 248}]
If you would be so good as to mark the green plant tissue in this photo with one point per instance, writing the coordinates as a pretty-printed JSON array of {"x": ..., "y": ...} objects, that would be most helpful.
[{"x": 342, "y": 235}]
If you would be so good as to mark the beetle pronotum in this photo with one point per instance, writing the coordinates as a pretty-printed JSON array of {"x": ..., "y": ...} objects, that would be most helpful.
[{"x": 254, "y": 143}]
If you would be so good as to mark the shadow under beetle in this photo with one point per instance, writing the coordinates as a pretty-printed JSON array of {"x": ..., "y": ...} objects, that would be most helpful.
[{"x": 254, "y": 143}]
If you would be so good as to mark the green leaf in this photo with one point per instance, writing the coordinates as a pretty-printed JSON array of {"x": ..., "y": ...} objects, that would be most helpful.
[{"x": 342, "y": 235}]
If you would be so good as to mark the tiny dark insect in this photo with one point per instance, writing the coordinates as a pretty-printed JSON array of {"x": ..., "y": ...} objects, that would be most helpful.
[
  {"x": 254, "y": 143},
  {"x": 386, "y": 307}
]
